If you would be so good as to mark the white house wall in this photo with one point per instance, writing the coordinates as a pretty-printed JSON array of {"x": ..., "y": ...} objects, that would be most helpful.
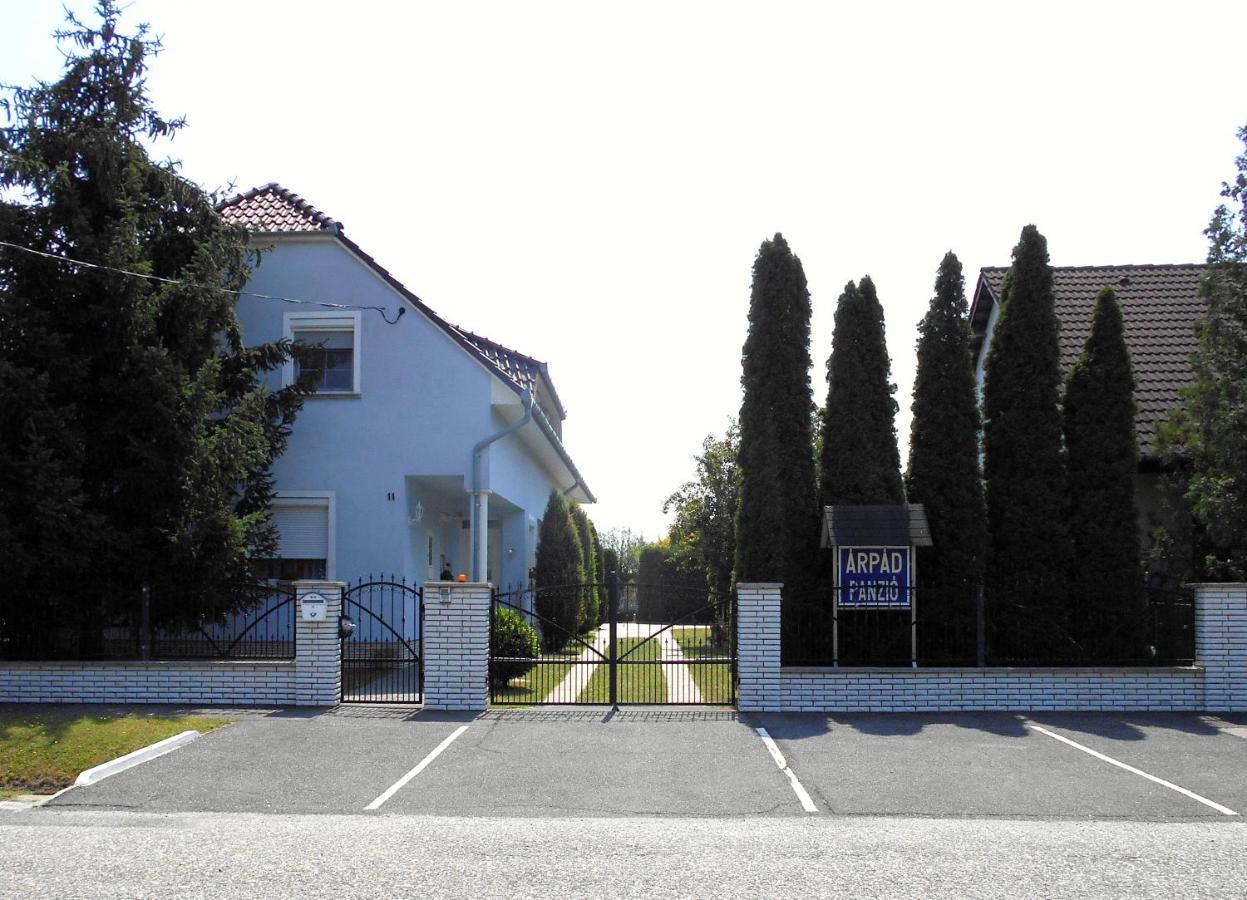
[{"x": 424, "y": 402}]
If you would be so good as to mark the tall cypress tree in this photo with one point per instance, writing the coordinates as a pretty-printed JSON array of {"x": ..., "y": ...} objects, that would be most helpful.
[
  {"x": 860, "y": 462},
  {"x": 777, "y": 525},
  {"x": 1106, "y": 615},
  {"x": 138, "y": 407},
  {"x": 559, "y": 573},
  {"x": 944, "y": 472},
  {"x": 1029, "y": 555},
  {"x": 590, "y": 603}
]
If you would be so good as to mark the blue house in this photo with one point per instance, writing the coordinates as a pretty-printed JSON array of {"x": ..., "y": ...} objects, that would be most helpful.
[{"x": 425, "y": 446}]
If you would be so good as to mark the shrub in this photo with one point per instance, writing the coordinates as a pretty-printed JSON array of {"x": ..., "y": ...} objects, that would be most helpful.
[{"x": 511, "y": 641}]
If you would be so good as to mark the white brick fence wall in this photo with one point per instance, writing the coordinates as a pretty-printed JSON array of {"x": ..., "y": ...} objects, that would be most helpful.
[
  {"x": 456, "y": 644},
  {"x": 1217, "y": 683},
  {"x": 312, "y": 678}
]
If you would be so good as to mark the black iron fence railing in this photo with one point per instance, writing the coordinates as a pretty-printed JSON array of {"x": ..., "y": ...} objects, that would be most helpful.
[
  {"x": 943, "y": 627},
  {"x": 251, "y": 621}
]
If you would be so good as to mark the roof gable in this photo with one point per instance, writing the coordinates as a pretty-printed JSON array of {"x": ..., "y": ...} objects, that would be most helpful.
[
  {"x": 273, "y": 209},
  {"x": 1160, "y": 308}
]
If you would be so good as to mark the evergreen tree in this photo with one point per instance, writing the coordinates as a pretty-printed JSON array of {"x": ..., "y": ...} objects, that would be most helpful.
[
  {"x": 1028, "y": 554},
  {"x": 944, "y": 473},
  {"x": 1106, "y": 616},
  {"x": 1207, "y": 436},
  {"x": 703, "y": 534},
  {"x": 560, "y": 573},
  {"x": 137, "y": 438},
  {"x": 860, "y": 462},
  {"x": 599, "y": 573},
  {"x": 777, "y": 522},
  {"x": 590, "y": 612}
]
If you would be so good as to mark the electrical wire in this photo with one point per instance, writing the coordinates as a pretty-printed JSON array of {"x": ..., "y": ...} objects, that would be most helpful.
[{"x": 381, "y": 310}]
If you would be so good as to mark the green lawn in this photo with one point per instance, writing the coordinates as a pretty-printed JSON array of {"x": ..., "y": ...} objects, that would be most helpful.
[
  {"x": 545, "y": 675},
  {"x": 713, "y": 680},
  {"x": 637, "y": 683},
  {"x": 42, "y": 749}
]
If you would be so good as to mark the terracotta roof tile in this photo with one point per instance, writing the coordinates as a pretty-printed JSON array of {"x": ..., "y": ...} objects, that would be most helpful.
[
  {"x": 1161, "y": 309},
  {"x": 273, "y": 208}
]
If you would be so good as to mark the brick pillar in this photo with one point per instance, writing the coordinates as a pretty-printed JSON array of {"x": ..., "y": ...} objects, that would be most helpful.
[
  {"x": 1221, "y": 644},
  {"x": 318, "y": 646},
  {"x": 757, "y": 645},
  {"x": 456, "y": 644}
]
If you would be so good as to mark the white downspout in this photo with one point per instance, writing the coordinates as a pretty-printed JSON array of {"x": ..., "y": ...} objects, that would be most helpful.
[{"x": 481, "y": 492}]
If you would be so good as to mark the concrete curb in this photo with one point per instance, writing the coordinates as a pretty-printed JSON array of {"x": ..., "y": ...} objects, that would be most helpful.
[{"x": 142, "y": 755}]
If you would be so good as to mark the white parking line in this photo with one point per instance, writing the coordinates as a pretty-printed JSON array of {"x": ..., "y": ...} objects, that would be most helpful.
[
  {"x": 1224, "y": 810},
  {"x": 393, "y": 789},
  {"x": 797, "y": 787}
]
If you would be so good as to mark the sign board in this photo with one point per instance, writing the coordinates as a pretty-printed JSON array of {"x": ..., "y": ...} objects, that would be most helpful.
[
  {"x": 873, "y": 577},
  {"x": 314, "y": 607}
]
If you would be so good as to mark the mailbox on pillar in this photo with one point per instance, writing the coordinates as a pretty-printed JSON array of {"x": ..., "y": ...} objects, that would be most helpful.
[
  {"x": 315, "y": 607},
  {"x": 876, "y": 560}
]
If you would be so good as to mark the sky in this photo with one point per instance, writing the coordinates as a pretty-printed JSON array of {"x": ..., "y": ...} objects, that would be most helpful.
[{"x": 588, "y": 183}]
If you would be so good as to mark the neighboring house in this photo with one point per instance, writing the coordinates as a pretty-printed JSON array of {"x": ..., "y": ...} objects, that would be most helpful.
[
  {"x": 379, "y": 475},
  {"x": 1161, "y": 309}
]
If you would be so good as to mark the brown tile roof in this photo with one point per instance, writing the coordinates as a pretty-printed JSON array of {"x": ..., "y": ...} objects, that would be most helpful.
[
  {"x": 1160, "y": 308},
  {"x": 273, "y": 208}
]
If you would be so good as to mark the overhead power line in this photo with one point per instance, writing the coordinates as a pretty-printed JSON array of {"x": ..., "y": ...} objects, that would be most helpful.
[{"x": 209, "y": 287}]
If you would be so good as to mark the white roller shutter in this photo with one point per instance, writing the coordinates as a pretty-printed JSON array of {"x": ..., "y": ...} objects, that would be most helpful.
[{"x": 303, "y": 531}]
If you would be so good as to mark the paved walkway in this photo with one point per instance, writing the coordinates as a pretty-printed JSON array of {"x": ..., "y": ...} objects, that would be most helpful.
[
  {"x": 577, "y": 678},
  {"x": 681, "y": 688}
]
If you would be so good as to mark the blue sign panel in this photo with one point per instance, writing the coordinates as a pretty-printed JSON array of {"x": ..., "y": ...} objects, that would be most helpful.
[{"x": 872, "y": 577}]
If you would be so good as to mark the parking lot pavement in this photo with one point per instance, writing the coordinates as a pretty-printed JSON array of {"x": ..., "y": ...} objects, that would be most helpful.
[
  {"x": 588, "y": 762},
  {"x": 1204, "y": 754},
  {"x": 989, "y": 764},
  {"x": 594, "y": 762},
  {"x": 283, "y": 762}
]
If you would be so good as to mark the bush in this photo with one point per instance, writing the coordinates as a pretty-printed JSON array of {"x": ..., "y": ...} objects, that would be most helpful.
[{"x": 514, "y": 640}]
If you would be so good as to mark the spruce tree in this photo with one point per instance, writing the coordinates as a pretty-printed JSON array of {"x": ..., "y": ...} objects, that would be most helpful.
[
  {"x": 1102, "y": 461},
  {"x": 559, "y": 574},
  {"x": 131, "y": 405},
  {"x": 777, "y": 522},
  {"x": 944, "y": 472},
  {"x": 1028, "y": 552},
  {"x": 860, "y": 462}
]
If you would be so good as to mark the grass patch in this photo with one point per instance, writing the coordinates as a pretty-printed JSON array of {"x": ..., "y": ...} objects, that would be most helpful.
[
  {"x": 713, "y": 680},
  {"x": 546, "y": 673},
  {"x": 42, "y": 749},
  {"x": 644, "y": 683}
]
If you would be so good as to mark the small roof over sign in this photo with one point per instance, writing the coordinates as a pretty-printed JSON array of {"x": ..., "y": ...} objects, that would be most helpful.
[{"x": 891, "y": 525}]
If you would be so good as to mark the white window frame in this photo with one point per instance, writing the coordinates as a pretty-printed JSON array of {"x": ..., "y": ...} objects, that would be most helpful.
[
  {"x": 327, "y": 499},
  {"x": 324, "y": 321}
]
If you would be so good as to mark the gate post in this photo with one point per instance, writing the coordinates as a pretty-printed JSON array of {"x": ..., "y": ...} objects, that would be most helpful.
[
  {"x": 1221, "y": 644},
  {"x": 318, "y": 646},
  {"x": 456, "y": 644},
  {"x": 758, "y": 611},
  {"x": 612, "y": 594}
]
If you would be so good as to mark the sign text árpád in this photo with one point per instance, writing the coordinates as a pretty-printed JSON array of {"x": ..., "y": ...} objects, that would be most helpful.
[{"x": 874, "y": 577}]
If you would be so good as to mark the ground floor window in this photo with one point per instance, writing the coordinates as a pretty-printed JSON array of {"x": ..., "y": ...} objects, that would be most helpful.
[{"x": 304, "y": 523}]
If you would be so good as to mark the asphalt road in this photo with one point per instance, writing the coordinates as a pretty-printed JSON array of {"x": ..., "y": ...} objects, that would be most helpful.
[
  {"x": 109, "y": 854},
  {"x": 682, "y": 802}
]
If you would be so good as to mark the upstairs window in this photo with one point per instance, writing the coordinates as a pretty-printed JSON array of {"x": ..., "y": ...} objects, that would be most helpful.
[
  {"x": 325, "y": 360},
  {"x": 326, "y": 355}
]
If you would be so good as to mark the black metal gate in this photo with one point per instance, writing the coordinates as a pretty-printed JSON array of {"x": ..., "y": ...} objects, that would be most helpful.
[
  {"x": 613, "y": 644},
  {"x": 382, "y": 658}
]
